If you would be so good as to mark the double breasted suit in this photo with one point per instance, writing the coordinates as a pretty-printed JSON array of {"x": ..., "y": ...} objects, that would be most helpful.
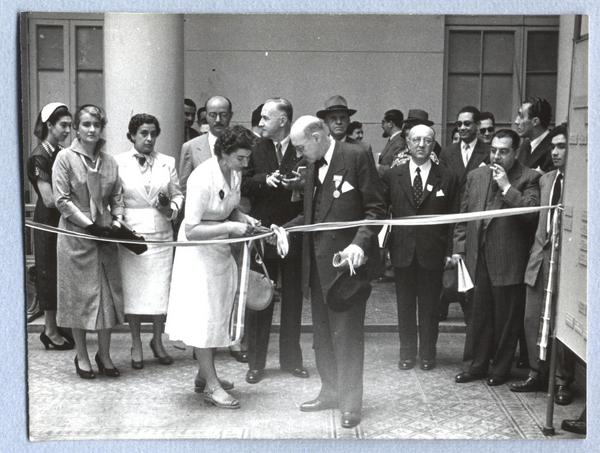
[
  {"x": 351, "y": 190},
  {"x": 496, "y": 253},
  {"x": 193, "y": 153},
  {"x": 275, "y": 206},
  {"x": 418, "y": 253},
  {"x": 540, "y": 158}
]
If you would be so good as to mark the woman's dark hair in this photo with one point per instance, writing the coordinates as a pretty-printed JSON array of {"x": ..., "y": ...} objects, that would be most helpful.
[
  {"x": 137, "y": 120},
  {"x": 234, "y": 138},
  {"x": 41, "y": 128},
  {"x": 353, "y": 126},
  {"x": 93, "y": 110}
]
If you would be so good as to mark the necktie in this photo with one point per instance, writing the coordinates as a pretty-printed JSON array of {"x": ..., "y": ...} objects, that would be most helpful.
[
  {"x": 466, "y": 155},
  {"x": 417, "y": 187},
  {"x": 278, "y": 152},
  {"x": 141, "y": 159}
]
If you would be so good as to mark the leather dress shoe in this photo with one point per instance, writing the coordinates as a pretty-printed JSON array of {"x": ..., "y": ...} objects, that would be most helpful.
[
  {"x": 495, "y": 380},
  {"x": 574, "y": 426},
  {"x": 299, "y": 372},
  {"x": 427, "y": 365},
  {"x": 407, "y": 364},
  {"x": 200, "y": 384},
  {"x": 531, "y": 384},
  {"x": 318, "y": 405},
  {"x": 563, "y": 395},
  {"x": 240, "y": 356},
  {"x": 466, "y": 376},
  {"x": 350, "y": 419},
  {"x": 254, "y": 376}
]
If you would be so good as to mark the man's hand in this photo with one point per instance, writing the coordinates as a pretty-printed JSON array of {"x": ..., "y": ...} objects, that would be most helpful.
[
  {"x": 499, "y": 175},
  {"x": 282, "y": 242},
  {"x": 355, "y": 255},
  {"x": 295, "y": 183},
  {"x": 455, "y": 258},
  {"x": 273, "y": 179}
]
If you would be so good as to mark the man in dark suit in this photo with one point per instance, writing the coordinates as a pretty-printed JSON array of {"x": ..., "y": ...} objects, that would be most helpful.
[
  {"x": 189, "y": 114},
  {"x": 269, "y": 181},
  {"x": 341, "y": 185},
  {"x": 496, "y": 252},
  {"x": 536, "y": 279},
  {"x": 419, "y": 187},
  {"x": 392, "y": 130},
  {"x": 532, "y": 121},
  {"x": 460, "y": 158}
]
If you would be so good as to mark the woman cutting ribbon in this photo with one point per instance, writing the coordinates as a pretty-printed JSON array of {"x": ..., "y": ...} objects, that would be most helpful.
[
  {"x": 152, "y": 199},
  {"x": 87, "y": 193}
]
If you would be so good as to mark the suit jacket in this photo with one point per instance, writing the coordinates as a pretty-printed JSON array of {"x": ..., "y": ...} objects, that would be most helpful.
[
  {"x": 541, "y": 156},
  {"x": 507, "y": 239},
  {"x": 362, "y": 145},
  {"x": 140, "y": 213},
  {"x": 361, "y": 197},
  {"x": 193, "y": 153},
  {"x": 390, "y": 151},
  {"x": 430, "y": 244},
  {"x": 451, "y": 156},
  {"x": 541, "y": 241}
]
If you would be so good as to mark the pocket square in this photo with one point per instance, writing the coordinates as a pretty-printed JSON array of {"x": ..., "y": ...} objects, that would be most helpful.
[
  {"x": 347, "y": 187},
  {"x": 482, "y": 164},
  {"x": 439, "y": 193}
]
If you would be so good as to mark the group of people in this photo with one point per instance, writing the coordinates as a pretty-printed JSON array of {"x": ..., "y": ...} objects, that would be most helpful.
[{"x": 234, "y": 182}]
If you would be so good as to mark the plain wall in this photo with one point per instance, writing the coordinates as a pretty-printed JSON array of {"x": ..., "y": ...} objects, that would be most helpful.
[{"x": 377, "y": 62}]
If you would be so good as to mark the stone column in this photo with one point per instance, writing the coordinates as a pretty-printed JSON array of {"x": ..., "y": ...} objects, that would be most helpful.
[{"x": 143, "y": 73}]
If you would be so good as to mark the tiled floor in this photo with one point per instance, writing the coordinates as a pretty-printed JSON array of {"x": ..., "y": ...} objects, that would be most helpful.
[{"x": 158, "y": 402}]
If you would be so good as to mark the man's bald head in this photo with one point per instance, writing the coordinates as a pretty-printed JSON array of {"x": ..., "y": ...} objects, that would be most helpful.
[
  {"x": 421, "y": 129},
  {"x": 421, "y": 139},
  {"x": 310, "y": 136},
  {"x": 218, "y": 114}
]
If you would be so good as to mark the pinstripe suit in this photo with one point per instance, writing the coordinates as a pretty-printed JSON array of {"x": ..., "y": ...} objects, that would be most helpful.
[{"x": 496, "y": 252}]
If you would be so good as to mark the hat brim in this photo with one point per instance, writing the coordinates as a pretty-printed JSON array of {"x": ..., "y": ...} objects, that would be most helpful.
[
  {"x": 323, "y": 113},
  {"x": 347, "y": 290}
]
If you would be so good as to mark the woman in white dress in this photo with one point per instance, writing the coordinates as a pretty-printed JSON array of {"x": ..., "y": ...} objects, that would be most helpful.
[
  {"x": 152, "y": 198},
  {"x": 205, "y": 278}
]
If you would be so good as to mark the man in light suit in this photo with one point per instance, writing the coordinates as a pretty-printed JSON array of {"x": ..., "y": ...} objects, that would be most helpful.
[
  {"x": 392, "y": 130},
  {"x": 460, "y": 158},
  {"x": 197, "y": 150},
  {"x": 532, "y": 121},
  {"x": 496, "y": 252},
  {"x": 419, "y": 187},
  {"x": 269, "y": 181},
  {"x": 342, "y": 184},
  {"x": 536, "y": 278}
]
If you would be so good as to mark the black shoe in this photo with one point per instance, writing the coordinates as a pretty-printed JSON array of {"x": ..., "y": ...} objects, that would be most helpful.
[
  {"x": 83, "y": 374},
  {"x": 531, "y": 384},
  {"x": 318, "y": 405},
  {"x": 47, "y": 342},
  {"x": 109, "y": 372},
  {"x": 466, "y": 376},
  {"x": 407, "y": 364},
  {"x": 563, "y": 395},
  {"x": 350, "y": 419},
  {"x": 427, "y": 365},
  {"x": 66, "y": 333},
  {"x": 163, "y": 360},
  {"x": 240, "y": 356},
  {"x": 574, "y": 426},
  {"x": 495, "y": 380},
  {"x": 136, "y": 365},
  {"x": 254, "y": 376},
  {"x": 200, "y": 384},
  {"x": 299, "y": 372}
]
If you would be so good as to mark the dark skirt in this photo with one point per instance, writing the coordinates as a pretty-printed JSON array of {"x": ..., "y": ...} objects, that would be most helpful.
[{"x": 45, "y": 256}]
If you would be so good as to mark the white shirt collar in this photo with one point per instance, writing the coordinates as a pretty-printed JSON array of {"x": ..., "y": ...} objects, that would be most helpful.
[
  {"x": 394, "y": 134},
  {"x": 425, "y": 168},
  {"x": 284, "y": 144},
  {"x": 211, "y": 142},
  {"x": 471, "y": 144},
  {"x": 536, "y": 141},
  {"x": 329, "y": 152}
]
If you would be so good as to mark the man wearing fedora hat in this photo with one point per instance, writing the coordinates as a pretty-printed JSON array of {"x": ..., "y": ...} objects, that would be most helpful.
[
  {"x": 336, "y": 115},
  {"x": 341, "y": 184}
]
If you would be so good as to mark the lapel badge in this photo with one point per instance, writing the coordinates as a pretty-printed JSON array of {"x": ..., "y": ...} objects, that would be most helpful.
[
  {"x": 336, "y": 193},
  {"x": 429, "y": 188}
]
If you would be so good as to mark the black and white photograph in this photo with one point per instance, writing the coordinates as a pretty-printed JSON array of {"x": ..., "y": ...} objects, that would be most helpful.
[{"x": 303, "y": 226}]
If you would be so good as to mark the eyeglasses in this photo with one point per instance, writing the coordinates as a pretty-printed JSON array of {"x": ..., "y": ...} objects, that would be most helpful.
[
  {"x": 417, "y": 140},
  {"x": 483, "y": 130},
  {"x": 463, "y": 123},
  {"x": 223, "y": 115}
]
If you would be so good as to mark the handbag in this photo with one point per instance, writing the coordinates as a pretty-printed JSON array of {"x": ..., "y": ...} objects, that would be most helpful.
[{"x": 260, "y": 287}]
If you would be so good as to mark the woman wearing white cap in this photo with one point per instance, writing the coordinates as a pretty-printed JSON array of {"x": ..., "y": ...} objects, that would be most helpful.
[{"x": 52, "y": 127}]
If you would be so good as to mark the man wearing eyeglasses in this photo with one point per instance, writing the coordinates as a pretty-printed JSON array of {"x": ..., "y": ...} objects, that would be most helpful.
[
  {"x": 418, "y": 254},
  {"x": 532, "y": 122},
  {"x": 487, "y": 127},
  {"x": 199, "y": 149},
  {"x": 495, "y": 252}
]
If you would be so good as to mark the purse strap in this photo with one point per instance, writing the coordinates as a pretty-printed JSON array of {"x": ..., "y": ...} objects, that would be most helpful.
[{"x": 259, "y": 259}]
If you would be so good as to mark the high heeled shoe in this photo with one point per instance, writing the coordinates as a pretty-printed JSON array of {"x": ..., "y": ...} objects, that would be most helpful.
[
  {"x": 163, "y": 360},
  {"x": 47, "y": 342},
  {"x": 109, "y": 372},
  {"x": 83, "y": 374},
  {"x": 135, "y": 364}
]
